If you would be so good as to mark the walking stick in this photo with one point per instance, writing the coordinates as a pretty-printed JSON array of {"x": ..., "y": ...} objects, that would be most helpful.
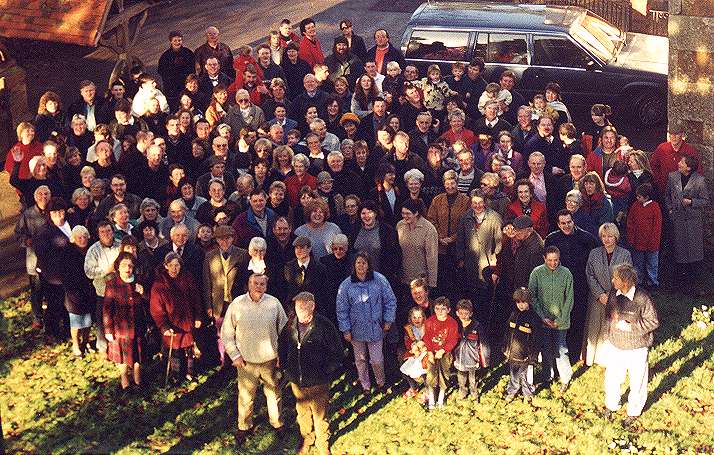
[{"x": 168, "y": 360}]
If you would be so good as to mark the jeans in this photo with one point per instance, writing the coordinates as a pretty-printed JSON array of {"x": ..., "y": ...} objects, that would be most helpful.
[
  {"x": 555, "y": 350},
  {"x": 376, "y": 359},
  {"x": 647, "y": 265},
  {"x": 518, "y": 380}
]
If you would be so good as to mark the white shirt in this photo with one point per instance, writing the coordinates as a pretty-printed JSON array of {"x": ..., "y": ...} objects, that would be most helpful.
[{"x": 630, "y": 294}]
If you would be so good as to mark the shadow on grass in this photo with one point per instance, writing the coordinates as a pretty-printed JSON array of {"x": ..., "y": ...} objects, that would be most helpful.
[{"x": 670, "y": 381}]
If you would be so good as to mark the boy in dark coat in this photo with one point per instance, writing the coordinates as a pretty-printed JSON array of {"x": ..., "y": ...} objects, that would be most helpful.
[{"x": 521, "y": 348}]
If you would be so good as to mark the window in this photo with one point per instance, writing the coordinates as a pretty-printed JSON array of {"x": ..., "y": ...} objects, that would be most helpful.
[
  {"x": 438, "y": 45},
  {"x": 558, "y": 51},
  {"x": 507, "y": 48}
]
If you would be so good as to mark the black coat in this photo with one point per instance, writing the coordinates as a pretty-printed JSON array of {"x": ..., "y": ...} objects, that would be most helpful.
[
  {"x": 51, "y": 246},
  {"x": 80, "y": 296},
  {"x": 336, "y": 272},
  {"x": 173, "y": 68},
  {"x": 522, "y": 337},
  {"x": 294, "y": 74},
  {"x": 314, "y": 358},
  {"x": 314, "y": 282}
]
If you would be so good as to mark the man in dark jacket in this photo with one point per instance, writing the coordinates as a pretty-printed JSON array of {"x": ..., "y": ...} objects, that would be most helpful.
[
  {"x": 384, "y": 52},
  {"x": 175, "y": 64},
  {"x": 304, "y": 273},
  {"x": 89, "y": 106},
  {"x": 310, "y": 351},
  {"x": 342, "y": 62},
  {"x": 631, "y": 321},
  {"x": 574, "y": 245},
  {"x": 354, "y": 42}
]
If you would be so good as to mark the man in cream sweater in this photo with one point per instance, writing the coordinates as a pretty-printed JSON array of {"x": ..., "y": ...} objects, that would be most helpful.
[{"x": 250, "y": 332}]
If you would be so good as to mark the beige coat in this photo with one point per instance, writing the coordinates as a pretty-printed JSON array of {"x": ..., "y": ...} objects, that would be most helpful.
[
  {"x": 420, "y": 251},
  {"x": 217, "y": 281}
]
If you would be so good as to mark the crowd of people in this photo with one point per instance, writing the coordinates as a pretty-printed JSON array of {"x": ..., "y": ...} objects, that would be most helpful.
[{"x": 279, "y": 207}]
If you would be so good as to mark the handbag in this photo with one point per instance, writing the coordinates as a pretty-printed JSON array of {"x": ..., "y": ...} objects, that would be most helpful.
[{"x": 413, "y": 367}]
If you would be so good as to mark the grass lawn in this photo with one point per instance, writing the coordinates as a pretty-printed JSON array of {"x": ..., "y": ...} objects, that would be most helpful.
[{"x": 50, "y": 402}]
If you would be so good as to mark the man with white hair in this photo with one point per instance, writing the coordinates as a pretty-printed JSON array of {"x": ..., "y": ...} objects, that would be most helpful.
[
  {"x": 214, "y": 48},
  {"x": 345, "y": 181},
  {"x": 244, "y": 113},
  {"x": 312, "y": 96},
  {"x": 250, "y": 333},
  {"x": 177, "y": 215},
  {"x": 328, "y": 140},
  {"x": 183, "y": 244}
]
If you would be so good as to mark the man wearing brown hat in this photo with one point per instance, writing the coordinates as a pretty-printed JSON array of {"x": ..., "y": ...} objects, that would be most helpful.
[
  {"x": 222, "y": 266},
  {"x": 217, "y": 171}
]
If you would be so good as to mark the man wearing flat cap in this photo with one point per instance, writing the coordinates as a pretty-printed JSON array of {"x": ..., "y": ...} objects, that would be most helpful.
[
  {"x": 303, "y": 274},
  {"x": 222, "y": 266}
]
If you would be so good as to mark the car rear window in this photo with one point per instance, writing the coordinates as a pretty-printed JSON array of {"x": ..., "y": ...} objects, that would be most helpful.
[{"x": 438, "y": 45}]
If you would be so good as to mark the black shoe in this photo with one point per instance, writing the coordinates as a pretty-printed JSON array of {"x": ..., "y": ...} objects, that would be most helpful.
[
  {"x": 629, "y": 422},
  {"x": 242, "y": 435},
  {"x": 281, "y": 432}
]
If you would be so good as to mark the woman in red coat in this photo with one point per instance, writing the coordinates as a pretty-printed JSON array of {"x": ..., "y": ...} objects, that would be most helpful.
[
  {"x": 526, "y": 204},
  {"x": 29, "y": 147},
  {"x": 124, "y": 319},
  {"x": 176, "y": 309}
]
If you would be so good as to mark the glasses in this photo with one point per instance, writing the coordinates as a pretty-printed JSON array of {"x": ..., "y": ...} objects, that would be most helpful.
[
  {"x": 244, "y": 100},
  {"x": 223, "y": 146}
]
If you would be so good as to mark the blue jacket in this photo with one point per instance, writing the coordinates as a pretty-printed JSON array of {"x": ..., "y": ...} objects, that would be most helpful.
[{"x": 364, "y": 306}]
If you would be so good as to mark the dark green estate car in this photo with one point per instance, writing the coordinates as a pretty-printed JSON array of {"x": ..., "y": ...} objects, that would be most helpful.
[{"x": 592, "y": 60}]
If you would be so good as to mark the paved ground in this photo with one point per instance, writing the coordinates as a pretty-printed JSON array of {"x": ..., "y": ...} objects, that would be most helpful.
[{"x": 59, "y": 67}]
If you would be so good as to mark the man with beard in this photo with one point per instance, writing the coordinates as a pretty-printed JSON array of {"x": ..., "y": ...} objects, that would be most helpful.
[{"x": 342, "y": 62}]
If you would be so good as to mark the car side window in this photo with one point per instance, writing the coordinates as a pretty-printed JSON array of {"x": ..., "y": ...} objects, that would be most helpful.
[
  {"x": 438, "y": 45},
  {"x": 558, "y": 51},
  {"x": 506, "y": 48}
]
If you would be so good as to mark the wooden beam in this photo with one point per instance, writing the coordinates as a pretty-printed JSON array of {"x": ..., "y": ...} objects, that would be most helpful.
[{"x": 117, "y": 20}]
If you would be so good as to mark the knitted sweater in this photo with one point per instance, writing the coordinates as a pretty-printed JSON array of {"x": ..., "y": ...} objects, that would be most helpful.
[
  {"x": 553, "y": 294},
  {"x": 639, "y": 312}
]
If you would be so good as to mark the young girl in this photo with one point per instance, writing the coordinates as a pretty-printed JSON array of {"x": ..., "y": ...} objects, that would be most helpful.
[
  {"x": 471, "y": 355},
  {"x": 495, "y": 92},
  {"x": 441, "y": 333},
  {"x": 456, "y": 80},
  {"x": 435, "y": 91},
  {"x": 415, "y": 348},
  {"x": 541, "y": 108}
]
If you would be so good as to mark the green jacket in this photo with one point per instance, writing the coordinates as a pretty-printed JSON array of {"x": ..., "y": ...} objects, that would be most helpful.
[{"x": 552, "y": 294}]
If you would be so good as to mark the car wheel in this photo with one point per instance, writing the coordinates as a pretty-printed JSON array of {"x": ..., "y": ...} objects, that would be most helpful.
[{"x": 650, "y": 109}]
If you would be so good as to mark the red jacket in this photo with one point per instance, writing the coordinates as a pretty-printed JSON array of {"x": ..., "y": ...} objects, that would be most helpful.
[
  {"x": 468, "y": 136},
  {"x": 539, "y": 215},
  {"x": 293, "y": 185},
  {"x": 29, "y": 151},
  {"x": 239, "y": 64},
  {"x": 441, "y": 334},
  {"x": 644, "y": 226},
  {"x": 311, "y": 52},
  {"x": 664, "y": 160},
  {"x": 176, "y": 304},
  {"x": 122, "y": 312}
]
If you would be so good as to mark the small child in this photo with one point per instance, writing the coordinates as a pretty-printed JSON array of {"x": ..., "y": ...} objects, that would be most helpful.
[
  {"x": 435, "y": 90},
  {"x": 441, "y": 333},
  {"x": 617, "y": 185},
  {"x": 415, "y": 349},
  {"x": 456, "y": 81},
  {"x": 495, "y": 92},
  {"x": 393, "y": 82},
  {"x": 472, "y": 354},
  {"x": 521, "y": 347},
  {"x": 644, "y": 230},
  {"x": 147, "y": 91},
  {"x": 623, "y": 151},
  {"x": 541, "y": 108}
]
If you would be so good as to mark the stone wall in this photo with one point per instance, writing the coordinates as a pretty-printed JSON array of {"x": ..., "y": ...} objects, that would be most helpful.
[{"x": 691, "y": 82}]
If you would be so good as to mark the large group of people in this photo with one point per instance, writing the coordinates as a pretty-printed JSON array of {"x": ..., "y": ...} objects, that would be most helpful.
[{"x": 281, "y": 207}]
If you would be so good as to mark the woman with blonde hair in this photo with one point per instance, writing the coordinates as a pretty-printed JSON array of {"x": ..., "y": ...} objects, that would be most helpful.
[{"x": 28, "y": 145}]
